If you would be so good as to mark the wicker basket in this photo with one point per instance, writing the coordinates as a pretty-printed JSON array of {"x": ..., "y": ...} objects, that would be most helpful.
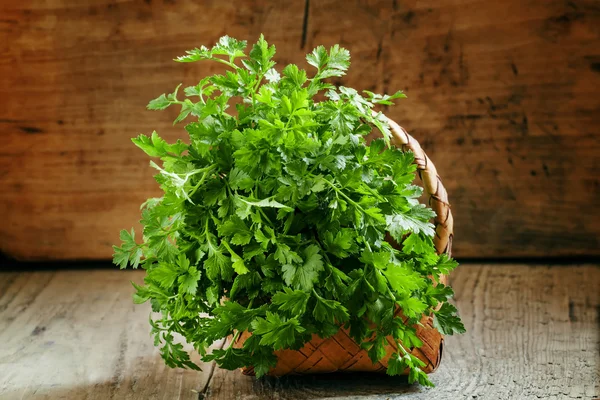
[{"x": 340, "y": 352}]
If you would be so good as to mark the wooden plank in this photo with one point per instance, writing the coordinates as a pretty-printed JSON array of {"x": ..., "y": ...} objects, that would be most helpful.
[
  {"x": 532, "y": 332},
  {"x": 77, "y": 334},
  {"x": 508, "y": 111}
]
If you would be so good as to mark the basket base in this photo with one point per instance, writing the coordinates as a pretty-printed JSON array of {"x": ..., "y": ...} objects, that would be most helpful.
[{"x": 340, "y": 353}]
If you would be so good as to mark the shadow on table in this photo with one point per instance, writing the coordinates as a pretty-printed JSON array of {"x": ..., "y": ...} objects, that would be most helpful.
[{"x": 338, "y": 385}]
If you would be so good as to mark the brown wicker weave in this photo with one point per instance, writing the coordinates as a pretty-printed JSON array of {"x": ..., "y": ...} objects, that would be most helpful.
[{"x": 340, "y": 352}]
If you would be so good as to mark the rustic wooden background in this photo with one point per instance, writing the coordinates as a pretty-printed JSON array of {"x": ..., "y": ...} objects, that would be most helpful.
[{"x": 504, "y": 96}]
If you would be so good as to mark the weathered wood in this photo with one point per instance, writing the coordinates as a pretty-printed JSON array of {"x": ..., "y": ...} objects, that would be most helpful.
[
  {"x": 532, "y": 333},
  {"x": 77, "y": 334},
  {"x": 508, "y": 111}
]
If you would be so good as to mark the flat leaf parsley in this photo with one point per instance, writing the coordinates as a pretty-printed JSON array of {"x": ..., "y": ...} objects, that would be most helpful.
[{"x": 274, "y": 217}]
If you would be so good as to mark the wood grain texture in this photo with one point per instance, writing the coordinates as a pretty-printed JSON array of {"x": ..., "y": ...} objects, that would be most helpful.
[
  {"x": 532, "y": 332},
  {"x": 75, "y": 78},
  {"x": 502, "y": 96},
  {"x": 77, "y": 335}
]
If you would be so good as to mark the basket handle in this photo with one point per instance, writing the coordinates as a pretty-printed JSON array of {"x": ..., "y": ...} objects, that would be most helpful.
[
  {"x": 438, "y": 201},
  {"x": 438, "y": 197}
]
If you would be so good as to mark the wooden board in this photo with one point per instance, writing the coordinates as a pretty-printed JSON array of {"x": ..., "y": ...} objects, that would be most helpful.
[
  {"x": 532, "y": 333},
  {"x": 502, "y": 95},
  {"x": 77, "y": 334}
]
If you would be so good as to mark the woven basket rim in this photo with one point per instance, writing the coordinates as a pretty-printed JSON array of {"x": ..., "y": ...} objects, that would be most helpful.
[{"x": 433, "y": 186}]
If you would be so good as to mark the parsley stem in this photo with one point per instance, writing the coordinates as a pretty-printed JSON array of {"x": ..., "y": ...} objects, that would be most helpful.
[
  {"x": 238, "y": 333},
  {"x": 228, "y": 63},
  {"x": 289, "y": 120},
  {"x": 401, "y": 348},
  {"x": 207, "y": 171},
  {"x": 373, "y": 192},
  {"x": 355, "y": 204},
  {"x": 255, "y": 88},
  {"x": 265, "y": 215}
]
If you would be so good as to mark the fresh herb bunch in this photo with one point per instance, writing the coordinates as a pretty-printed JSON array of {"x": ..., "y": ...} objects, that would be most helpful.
[{"x": 274, "y": 218}]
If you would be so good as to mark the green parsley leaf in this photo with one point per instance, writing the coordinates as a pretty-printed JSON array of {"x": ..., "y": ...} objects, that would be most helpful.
[
  {"x": 154, "y": 146},
  {"x": 237, "y": 262},
  {"x": 293, "y": 301},
  {"x": 416, "y": 221},
  {"x": 188, "y": 282},
  {"x": 217, "y": 265},
  {"x": 331, "y": 311},
  {"x": 446, "y": 320},
  {"x": 236, "y": 229},
  {"x": 342, "y": 245},
  {"x": 265, "y": 203},
  {"x": 129, "y": 252},
  {"x": 230, "y": 358},
  {"x": 303, "y": 276},
  {"x": 277, "y": 331},
  {"x": 263, "y": 360}
]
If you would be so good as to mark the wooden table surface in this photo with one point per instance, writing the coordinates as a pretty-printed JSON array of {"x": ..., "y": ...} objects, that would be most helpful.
[{"x": 533, "y": 332}]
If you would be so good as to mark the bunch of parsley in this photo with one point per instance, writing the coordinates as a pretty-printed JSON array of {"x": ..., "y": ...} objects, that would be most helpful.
[{"x": 274, "y": 218}]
